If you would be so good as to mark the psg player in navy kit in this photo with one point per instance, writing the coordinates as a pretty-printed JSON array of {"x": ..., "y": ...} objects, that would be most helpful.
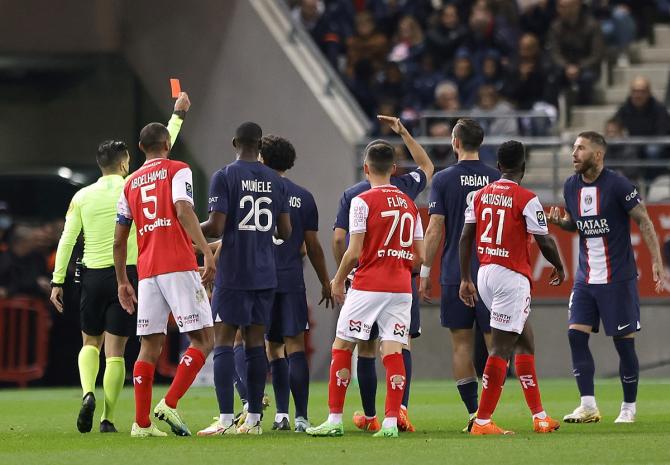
[
  {"x": 247, "y": 203},
  {"x": 286, "y": 334},
  {"x": 412, "y": 184},
  {"x": 598, "y": 205},
  {"x": 452, "y": 192}
]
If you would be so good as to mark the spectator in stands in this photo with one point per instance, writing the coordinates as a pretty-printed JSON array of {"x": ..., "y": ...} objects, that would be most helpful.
[
  {"x": 618, "y": 27},
  {"x": 22, "y": 268},
  {"x": 447, "y": 35},
  {"x": 529, "y": 80},
  {"x": 489, "y": 101},
  {"x": 421, "y": 86},
  {"x": 536, "y": 17},
  {"x": 485, "y": 35},
  {"x": 391, "y": 84},
  {"x": 642, "y": 115},
  {"x": 464, "y": 76},
  {"x": 446, "y": 99},
  {"x": 408, "y": 45},
  {"x": 366, "y": 44},
  {"x": 324, "y": 30},
  {"x": 362, "y": 86},
  {"x": 577, "y": 49},
  {"x": 617, "y": 153},
  {"x": 492, "y": 71},
  {"x": 5, "y": 224},
  {"x": 388, "y": 13}
]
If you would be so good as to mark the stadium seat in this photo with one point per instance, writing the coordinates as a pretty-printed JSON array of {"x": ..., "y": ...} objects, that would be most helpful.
[{"x": 24, "y": 339}]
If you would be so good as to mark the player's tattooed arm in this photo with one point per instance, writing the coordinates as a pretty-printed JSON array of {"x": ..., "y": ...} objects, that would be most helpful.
[
  {"x": 417, "y": 152},
  {"x": 349, "y": 260},
  {"x": 641, "y": 217},
  {"x": 431, "y": 242},
  {"x": 127, "y": 297},
  {"x": 339, "y": 244},
  {"x": 564, "y": 222},
  {"x": 549, "y": 250},
  {"x": 318, "y": 260},
  {"x": 467, "y": 291},
  {"x": 189, "y": 222}
]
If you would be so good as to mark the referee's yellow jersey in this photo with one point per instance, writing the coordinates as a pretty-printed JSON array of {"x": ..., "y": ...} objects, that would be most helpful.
[{"x": 93, "y": 209}]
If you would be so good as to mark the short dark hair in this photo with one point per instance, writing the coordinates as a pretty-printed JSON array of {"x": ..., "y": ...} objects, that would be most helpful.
[
  {"x": 153, "y": 136},
  {"x": 470, "y": 133},
  {"x": 110, "y": 153},
  {"x": 511, "y": 155},
  {"x": 379, "y": 156},
  {"x": 248, "y": 134},
  {"x": 278, "y": 153},
  {"x": 594, "y": 137}
]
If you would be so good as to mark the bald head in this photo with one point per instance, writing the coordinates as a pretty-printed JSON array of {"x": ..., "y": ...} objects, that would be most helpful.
[
  {"x": 568, "y": 10},
  {"x": 529, "y": 46},
  {"x": 640, "y": 91}
]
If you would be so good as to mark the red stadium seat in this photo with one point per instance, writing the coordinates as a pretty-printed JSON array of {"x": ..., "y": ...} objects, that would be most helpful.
[{"x": 24, "y": 339}]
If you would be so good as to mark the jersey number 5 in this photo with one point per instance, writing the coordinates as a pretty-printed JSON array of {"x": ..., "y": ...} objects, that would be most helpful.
[
  {"x": 146, "y": 198},
  {"x": 256, "y": 212},
  {"x": 404, "y": 219},
  {"x": 488, "y": 212}
]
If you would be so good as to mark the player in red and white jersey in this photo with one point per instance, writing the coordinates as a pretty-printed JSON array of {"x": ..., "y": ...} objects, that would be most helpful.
[
  {"x": 159, "y": 199},
  {"x": 502, "y": 217},
  {"x": 386, "y": 240}
]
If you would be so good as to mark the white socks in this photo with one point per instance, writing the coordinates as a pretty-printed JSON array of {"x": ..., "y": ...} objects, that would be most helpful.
[
  {"x": 390, "y": 422},
  {"x": 280, "y": 416},
  {"x": 252, "y": 419},
  {"x": 226, "y": 419},
  {"x": 589, "y": 402},
  {"x": 335, "y": 418},
  {"x": 629, "y": 406},
  {"x": 541, "y": 415}
]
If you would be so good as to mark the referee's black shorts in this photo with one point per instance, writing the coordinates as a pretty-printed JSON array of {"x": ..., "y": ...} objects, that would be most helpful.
[{"x": 100, "y": 309}]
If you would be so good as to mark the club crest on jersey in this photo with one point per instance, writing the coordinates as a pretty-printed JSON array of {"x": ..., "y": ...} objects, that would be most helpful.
[
  {"x": 397, "y": 382},
  {"x": 355, "y": 325},
  {"x": 588, "y": 201},
  {"x": 399, "y": 330}
]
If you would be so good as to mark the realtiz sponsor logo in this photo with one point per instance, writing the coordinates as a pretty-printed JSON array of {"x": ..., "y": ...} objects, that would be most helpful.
[
  {"x": 395, "y": 253},
  {"x": 158, "y": 223},
  {"x": 494, "y": 252}
]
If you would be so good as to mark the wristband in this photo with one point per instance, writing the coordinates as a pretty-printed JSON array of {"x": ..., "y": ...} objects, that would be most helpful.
[
  {"x": 180, "y": 113},
  {"x": 53, "y": 284},
  {"x": 425, "y": 271}
]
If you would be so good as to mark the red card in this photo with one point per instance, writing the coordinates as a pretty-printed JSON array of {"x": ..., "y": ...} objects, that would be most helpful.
[{"x": 176, "y": 87}]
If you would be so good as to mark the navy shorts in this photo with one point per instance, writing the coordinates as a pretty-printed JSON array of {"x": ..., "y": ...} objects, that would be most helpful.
[
  {"x": 616, "y": 304},
  {"x": 415, "y": 318},
  {"x": 241, "y": 307},
  {"x": 288, "y": 317},
  {"x": 454, "y": 314}
]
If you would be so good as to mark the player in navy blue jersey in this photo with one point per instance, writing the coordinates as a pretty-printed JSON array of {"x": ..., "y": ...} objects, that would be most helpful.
[
  {"x": 248, "y": 205},
  {"x": 286, "y": 334},
  {"x": 452, "y": 191},
  {"x": 599, "y": 204},
  {"x": 412, "y": 184}
]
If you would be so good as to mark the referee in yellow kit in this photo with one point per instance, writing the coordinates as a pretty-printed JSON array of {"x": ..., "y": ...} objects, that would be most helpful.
[{"x": 93, "y": 210}]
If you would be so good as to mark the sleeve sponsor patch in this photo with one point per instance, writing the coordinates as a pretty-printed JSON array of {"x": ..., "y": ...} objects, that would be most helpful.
[
  {"x": 541, "y": 220},
  {"x": 416, "y": 176},
  {"x": 189, "y": 189}
]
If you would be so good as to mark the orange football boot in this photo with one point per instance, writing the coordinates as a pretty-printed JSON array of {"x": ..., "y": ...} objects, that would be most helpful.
[
  {"x": 366, "y": 424},
  {"x": 545, "y": 425},
  {"x": 403, "y": 421},
  {"x": 489, "y": 428}
]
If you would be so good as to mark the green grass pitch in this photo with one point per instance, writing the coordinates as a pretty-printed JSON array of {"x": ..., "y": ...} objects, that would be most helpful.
[{"x": 37, "y": 426}]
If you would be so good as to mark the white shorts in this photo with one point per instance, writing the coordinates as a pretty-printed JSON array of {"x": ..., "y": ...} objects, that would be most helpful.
[
  {"x": 181, "y": 293},
  {"x": 390, "y": 310},
  {"x": 506, "y": 294}
]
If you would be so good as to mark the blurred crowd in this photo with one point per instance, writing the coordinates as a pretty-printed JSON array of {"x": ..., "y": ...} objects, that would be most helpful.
[
  {"x": 27, "y": 254},
  {"x": 409, "y": 57}
]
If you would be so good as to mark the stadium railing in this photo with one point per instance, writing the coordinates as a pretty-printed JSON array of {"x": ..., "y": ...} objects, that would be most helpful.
[{"x": 24, "y": 339}]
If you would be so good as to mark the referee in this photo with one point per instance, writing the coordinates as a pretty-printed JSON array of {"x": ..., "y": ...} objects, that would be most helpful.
[{"x": 93, "y": 210}]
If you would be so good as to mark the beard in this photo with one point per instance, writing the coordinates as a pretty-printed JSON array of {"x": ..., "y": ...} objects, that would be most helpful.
[{"x": 585, "y": 165}]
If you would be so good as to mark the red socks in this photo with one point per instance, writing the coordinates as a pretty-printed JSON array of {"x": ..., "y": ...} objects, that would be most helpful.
[
  {"x": 525, "y": 370},
  {"x": 340, "y": 376},
  {"x": 492, "y": 383},
  {"x": 143, "y": 380},
  {"x": 189, "y": 366},
  {"x": 395, "y": 384}
]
